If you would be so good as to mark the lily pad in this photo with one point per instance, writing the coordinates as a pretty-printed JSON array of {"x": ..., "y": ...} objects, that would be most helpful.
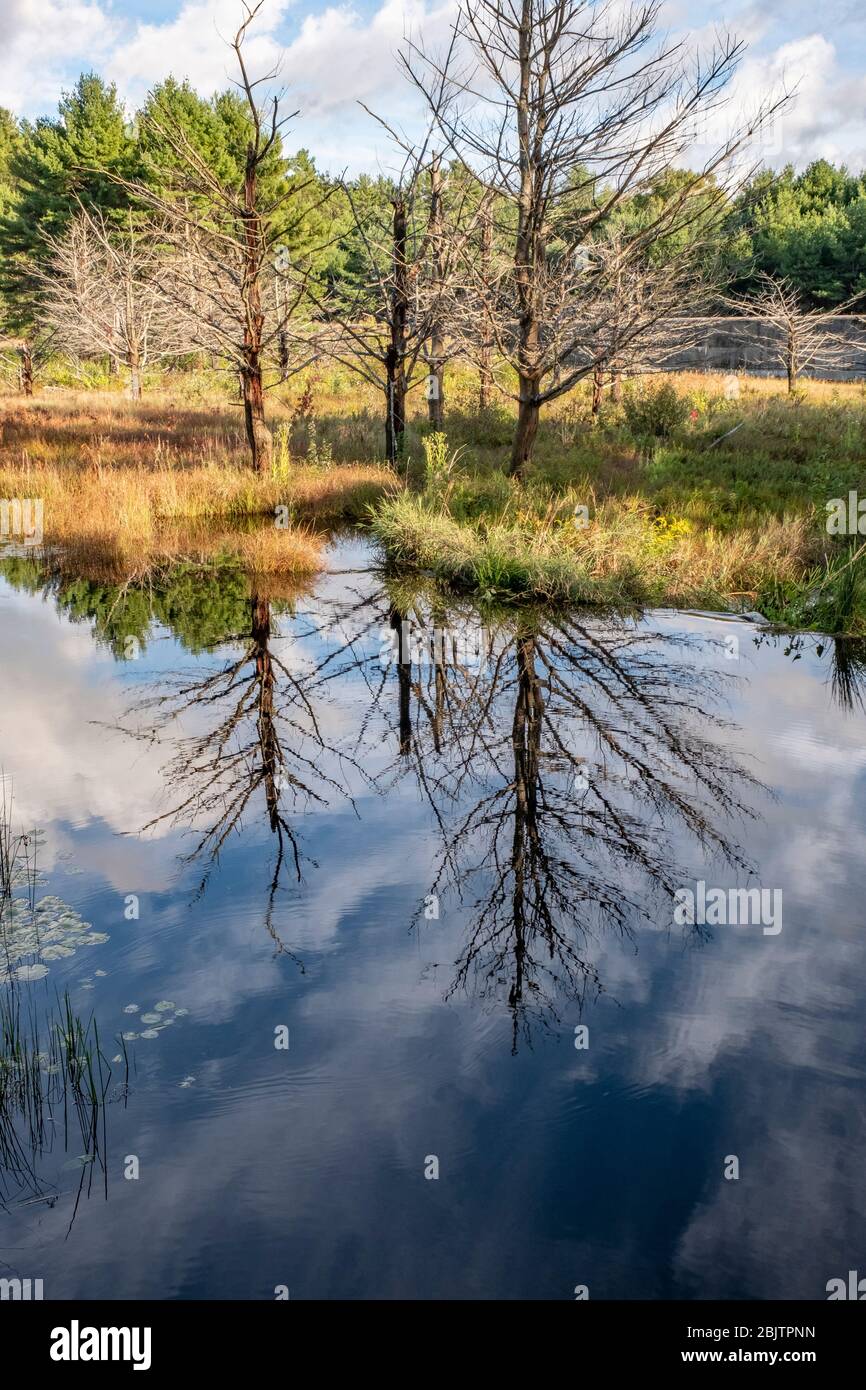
[{"x": 31, "y": 972}]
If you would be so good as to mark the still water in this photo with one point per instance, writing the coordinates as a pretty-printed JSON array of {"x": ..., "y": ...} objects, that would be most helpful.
[{"x": 389, "y": 928}]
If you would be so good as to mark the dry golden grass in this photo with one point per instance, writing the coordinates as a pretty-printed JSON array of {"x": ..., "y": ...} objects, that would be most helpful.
[{"x": 144, "y": 483}]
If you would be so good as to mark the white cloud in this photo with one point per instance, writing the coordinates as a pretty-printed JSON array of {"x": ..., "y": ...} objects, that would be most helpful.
[
  {"x": 336, "y": 56},
  {"x": 194, "y": 45},
  {"x": 45, "y": 44}
]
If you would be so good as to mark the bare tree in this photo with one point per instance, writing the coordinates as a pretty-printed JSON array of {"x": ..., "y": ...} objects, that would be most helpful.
[
  {"x": 561, "y": 97},
  {"x": 798, "y": 338},
  {"x": 25, "y": 356},
  {"x": 485, "y": 346},
  {"x": 383, "y": 320},
  {"x": 234, "y": 290},
  {"x": 439, "y": 265},
  {"x": 103, "y": 291},
  {"x": 394, "y": 310}
]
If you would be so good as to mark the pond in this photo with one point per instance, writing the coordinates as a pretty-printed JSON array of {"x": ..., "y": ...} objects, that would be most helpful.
[{"x": 402, "y": 934}]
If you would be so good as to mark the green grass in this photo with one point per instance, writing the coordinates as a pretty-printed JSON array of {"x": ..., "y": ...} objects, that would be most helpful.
[
  {"x": 693, "y": 499},
  {"x": 685, "y": 517}
]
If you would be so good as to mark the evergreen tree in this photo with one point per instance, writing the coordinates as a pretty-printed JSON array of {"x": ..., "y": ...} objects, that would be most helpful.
[
  {"x": 55, "y": 164},
  {"x": 810, "y": 229}
]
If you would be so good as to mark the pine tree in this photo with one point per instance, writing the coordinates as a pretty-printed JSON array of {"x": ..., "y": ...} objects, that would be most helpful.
[{"x": 54, "y": 165}]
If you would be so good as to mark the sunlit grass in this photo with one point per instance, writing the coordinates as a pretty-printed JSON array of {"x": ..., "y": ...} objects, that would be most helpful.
[
  {"x": 112, "y": 487},
  {"x": 725, "y": 509}
]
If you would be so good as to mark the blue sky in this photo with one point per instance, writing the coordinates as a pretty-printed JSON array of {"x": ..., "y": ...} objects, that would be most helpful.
[{"x": 337, "y": 54}]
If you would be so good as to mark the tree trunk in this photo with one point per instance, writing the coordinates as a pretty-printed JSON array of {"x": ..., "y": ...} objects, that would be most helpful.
[
  {"x": 398, "y": 624},
  {"x": 395, "y": 422},
  {"x": 530, "y": 260},
  {"x": 485, "y": 366},
  {"x": 134, "y": 366},
  {"x": 395, "y": 358},
  {"x": 258, "y": 434},
  {"x": 792, "y": 364},
  {"x": 27, "y": 369},
  {"x": 616, "y": 385},
  {"x": 435, "y": 400},
  {"x": 527, "y": 427},
  {"x": 260, "y": 611},
  {"x": 526, "y": 745},
  {"x": 597, "y": 388}
]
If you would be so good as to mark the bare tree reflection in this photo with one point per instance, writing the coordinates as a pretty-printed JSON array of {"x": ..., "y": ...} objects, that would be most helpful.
[
  {"x": 559, "y": 774},
  {"x": 567, "y": 768},
  {"x": 257, "y": 734}
]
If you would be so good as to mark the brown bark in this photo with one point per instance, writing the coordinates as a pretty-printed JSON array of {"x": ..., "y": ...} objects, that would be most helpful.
[
  {"x": 527, "y": 428},
  {"x": 258, "y": 434},
  {"x": 436, "y": 402},
  {"x": 395, "y": 359},
  {"x": 26, "y": 369}
]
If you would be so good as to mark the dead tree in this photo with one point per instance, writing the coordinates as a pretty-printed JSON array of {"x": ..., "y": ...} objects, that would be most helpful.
[
  {"x": 485, "y": 347},
  {"x": 382, "y": 322},
  {"x": 436, "y": 359},
  {"x": 395, "y": 309},
  {"x": 103, "y": 291},
  {"x": 540, "y": 89},
  {"x": 25, "y": 356},
  {"x": 636, "y": 324},
  {"x": 798, "y": 338},
  {"x": 232, "y": 293}
]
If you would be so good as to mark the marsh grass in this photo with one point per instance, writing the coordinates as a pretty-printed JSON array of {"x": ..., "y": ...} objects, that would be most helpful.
[
  {"x": 149, "y": 484},
  {"x": 692, "y": 517},
  {"x": 52, "y": 1066},
  {"x": 694, "y": 498}
]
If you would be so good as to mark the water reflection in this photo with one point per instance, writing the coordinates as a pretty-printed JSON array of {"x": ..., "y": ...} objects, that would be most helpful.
[
  {"x": 258, "y": 748},
  {"x": 55, "y": 1079},
  {"x": 556, "y": 761},
  {"x": 555, "y": 768},
  {"x": 330, "y": 780}
]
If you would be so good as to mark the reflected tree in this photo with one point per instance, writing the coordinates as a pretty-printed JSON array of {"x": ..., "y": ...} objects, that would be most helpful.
[
  {"x": 256, "y": 738},
  {"x": 560, "y": 773}
]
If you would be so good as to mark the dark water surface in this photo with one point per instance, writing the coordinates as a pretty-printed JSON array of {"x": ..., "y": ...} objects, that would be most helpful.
[{"x": 292, "y": 807}]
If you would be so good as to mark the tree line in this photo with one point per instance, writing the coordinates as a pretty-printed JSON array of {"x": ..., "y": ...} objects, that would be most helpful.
[{"x": 547, "y": 228}]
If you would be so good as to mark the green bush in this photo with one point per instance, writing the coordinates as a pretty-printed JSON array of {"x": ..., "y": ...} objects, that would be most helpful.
[{"x": 654, "y": 410}]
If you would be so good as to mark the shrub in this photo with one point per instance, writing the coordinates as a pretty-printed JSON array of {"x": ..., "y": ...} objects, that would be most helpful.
[{"x": 654, "y": 410}]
